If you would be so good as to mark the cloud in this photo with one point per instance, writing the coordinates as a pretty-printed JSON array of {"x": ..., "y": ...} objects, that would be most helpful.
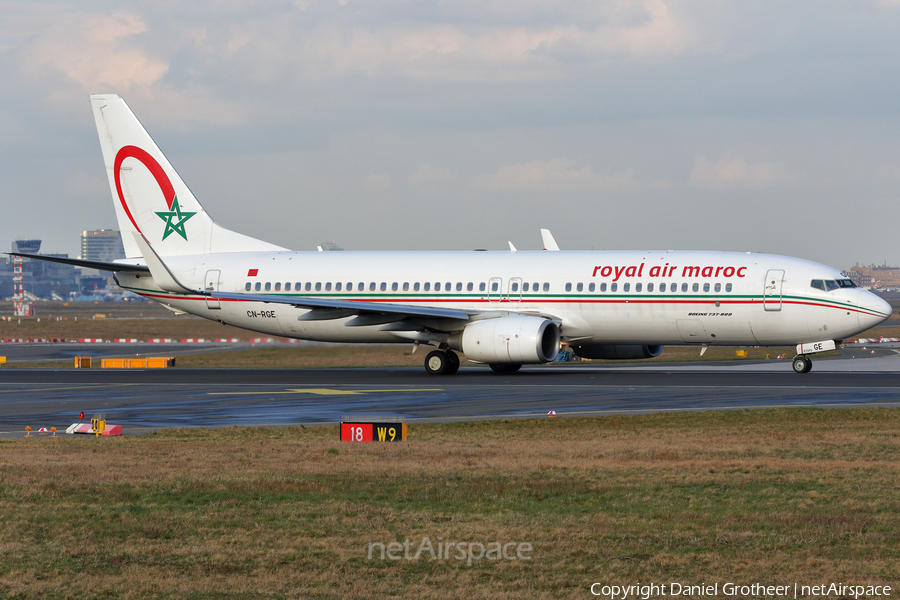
[
  {"x": 556, "y": 175},
  {"x": 427, "y": 174},
  {"x": 378, "y": 181},
  {"x": 95, "y": 51},
  {"x": 731, "y": 172}
]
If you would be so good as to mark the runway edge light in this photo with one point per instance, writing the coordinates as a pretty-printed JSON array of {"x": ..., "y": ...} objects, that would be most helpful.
[{"x": 373, "y": 432}]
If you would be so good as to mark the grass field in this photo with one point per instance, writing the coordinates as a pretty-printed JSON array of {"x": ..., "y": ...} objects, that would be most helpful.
[{"x": 767, "y": 496}]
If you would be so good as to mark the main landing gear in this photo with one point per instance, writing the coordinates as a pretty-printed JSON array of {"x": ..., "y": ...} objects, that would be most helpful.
[
  {"x": 802, "y": 364},
  {"x": 505, "y": 368},
  {"x": 442, "y": 362}
]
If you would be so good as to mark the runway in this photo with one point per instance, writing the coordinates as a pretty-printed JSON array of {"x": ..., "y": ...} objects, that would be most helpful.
[{"x": 143, "y": 400}]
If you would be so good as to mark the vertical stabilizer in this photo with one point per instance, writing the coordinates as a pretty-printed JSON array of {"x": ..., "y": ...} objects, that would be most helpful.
[{"x": 149, "y": 196}]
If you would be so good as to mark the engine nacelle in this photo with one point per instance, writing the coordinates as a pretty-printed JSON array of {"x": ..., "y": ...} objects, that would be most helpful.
[
  {"x": 509, "y": 340},
  {"x": 616, "y": 351}
]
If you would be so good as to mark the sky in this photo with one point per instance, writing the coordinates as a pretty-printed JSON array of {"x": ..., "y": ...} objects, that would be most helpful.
[{"x": 453, "y": 125}]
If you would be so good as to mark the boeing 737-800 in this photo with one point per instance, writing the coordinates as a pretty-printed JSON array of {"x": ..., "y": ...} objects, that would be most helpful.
[{"x": 505, "y": 309}]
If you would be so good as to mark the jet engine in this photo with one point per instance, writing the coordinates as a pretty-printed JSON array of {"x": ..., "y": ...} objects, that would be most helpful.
[
  {"x": 616, "y": 351},
  {"x": 515, "y": 339}
]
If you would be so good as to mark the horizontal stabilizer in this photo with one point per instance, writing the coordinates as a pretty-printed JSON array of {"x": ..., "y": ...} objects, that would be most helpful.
[{"x": 87, "y": 264}]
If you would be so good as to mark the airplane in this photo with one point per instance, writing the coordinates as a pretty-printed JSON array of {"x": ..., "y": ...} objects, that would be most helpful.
[{"x": 505, "y": 309}]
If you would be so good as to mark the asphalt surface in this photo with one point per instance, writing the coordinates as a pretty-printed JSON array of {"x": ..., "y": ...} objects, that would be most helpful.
[{"x": 143, "y": 400}]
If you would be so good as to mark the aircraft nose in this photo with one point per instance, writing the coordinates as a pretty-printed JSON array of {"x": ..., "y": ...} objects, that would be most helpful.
[{"x": 873, "y": 310}]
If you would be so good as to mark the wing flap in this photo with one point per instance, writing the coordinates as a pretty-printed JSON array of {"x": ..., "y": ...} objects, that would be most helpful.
[{"x": 353, "y": 306}]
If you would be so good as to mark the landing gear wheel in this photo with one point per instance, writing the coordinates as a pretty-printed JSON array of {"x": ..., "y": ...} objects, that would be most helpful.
[
  {"x": 802, "y": 364},
  {"x": 505, "y": 368},
  {"x": 437, "y": 362},
  {"x": 453, "y": 367}
]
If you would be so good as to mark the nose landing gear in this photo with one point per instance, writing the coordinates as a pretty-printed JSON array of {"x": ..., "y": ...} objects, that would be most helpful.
[{"x": 802, "y": 364}]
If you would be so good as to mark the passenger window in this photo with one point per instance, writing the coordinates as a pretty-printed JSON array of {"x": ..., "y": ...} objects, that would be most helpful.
[
  {"x": 319, "y": 287},
  {"x": 395, "y": 286},
  {"x": 268, "y": 286},
  {"x": 405, "y": 286},
  {"x": 662, "y": 287},
  {"x": 328, "y": 287},
  {"x": 308, "y": 286},
  {"x": 361, "y": 286},
  {"x": 592, "y": 287},
  {"x": 447, "y": 287},
  {"x": 579, "y": 287},
  {"x": 459, "y": 286},
  {"x": 614, "y": 287},
  {"x": 568, "y": 287},
  {"x": 437, "y": 286},
  {"x": 416, "y": 286},
  {"x": 673, "y": 287},
  {"x": 524, "y": 287},
  {"x": 297, "y": 286},
  {"x": 495, "y": 286},
  {"x": 649, "y": 287},
  {"x": 684, "y": 287},
  {"x": 637, "y": 287},
  {"x": 705, "y": 287},
  {"x": 287, "y": 286},
  {"x": 695, "y": 287},
  {"x": 546, "y": 287},
  {"x": 535, "y": 286},
  {"x": 718, "y": 287},
  {"x": 349, "y": 286},
  {"x": 427, "y": 286},
  {"x": 337, "y": 286},
  {"x": 481, "y": 287},
  {"x": 277, "y": 286},
  {"x": 247, "y": 287},
  {"x": 372, "y": 287},
  {"x": 515, "y": 287},
  {"x": 831, "y": 285},
  {"x": 602, "y": 287},
  {"x": 626, "y": 287},
  {"x": 470, "y": 286},
  {"x": 383, "y": 286},
  {"x": 727, "y": 287},
  {"x": 258, "y": 286}
]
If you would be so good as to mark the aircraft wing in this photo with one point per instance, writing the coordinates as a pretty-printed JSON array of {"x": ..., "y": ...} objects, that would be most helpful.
[
  {"x": 351, "y": 307},
  {"x": 88, "y": 264}
]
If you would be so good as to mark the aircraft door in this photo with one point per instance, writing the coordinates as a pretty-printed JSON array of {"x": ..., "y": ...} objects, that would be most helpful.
[
  {"x": 514, "y": 292},
  {"x": 211, "y": 283},
  {"x": 772, "y": 289},
  {"x": 495, "y": 289}
]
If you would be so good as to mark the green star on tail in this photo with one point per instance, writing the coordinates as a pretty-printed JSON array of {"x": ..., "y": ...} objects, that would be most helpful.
[{"x": 175, "y": 213}]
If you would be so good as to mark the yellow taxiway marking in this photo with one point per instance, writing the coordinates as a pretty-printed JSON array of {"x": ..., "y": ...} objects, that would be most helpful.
[{"x": 322, "y": 392}]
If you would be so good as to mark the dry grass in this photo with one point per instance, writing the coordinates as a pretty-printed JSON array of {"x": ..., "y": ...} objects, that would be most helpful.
[{"x": 752, "y": 496}]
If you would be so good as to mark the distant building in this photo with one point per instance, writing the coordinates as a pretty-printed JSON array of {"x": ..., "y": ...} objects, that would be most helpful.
[
  {"x": 43, "y": 279},
  {"x": 102, "y": 244},
  {"x": 875, "y": 276},
  {"x": 331, "y": 246}
]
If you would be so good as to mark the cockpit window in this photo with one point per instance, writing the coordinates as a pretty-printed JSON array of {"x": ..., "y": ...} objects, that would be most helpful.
[
  {"x": 831, "y": 285},
  {"x": 818, "y": 284},
  {"x": 846, "y": 283}
]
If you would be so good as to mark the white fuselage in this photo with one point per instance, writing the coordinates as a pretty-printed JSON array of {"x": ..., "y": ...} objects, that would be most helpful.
[{"x": 640, "y": 297}]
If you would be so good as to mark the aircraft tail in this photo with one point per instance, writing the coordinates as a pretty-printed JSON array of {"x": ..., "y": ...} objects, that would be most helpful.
[{"x": 149, "y": 196}]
